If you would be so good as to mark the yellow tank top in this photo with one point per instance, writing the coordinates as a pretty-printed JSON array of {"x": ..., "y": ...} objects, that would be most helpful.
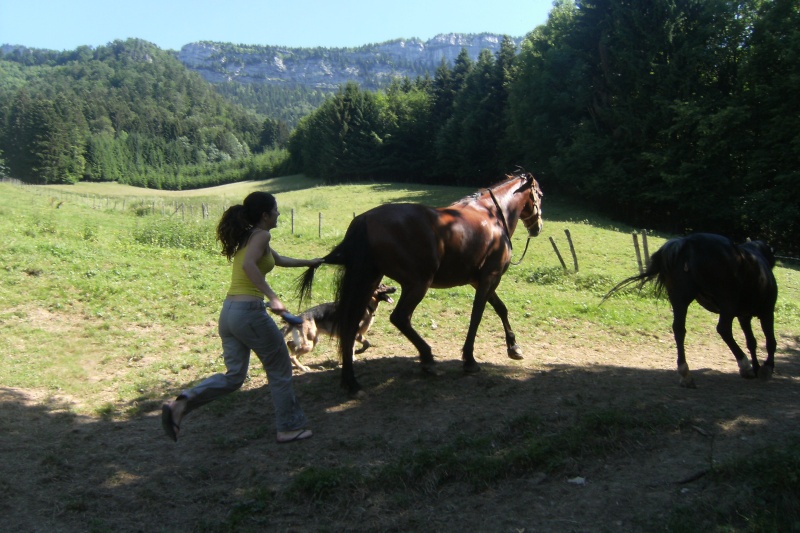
[{"x": 240, "y": 283}]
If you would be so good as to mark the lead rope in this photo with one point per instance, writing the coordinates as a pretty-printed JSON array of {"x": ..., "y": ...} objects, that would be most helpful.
[
  {"x": 524, "y": 220},
  {"x": 523, "y": 253}
]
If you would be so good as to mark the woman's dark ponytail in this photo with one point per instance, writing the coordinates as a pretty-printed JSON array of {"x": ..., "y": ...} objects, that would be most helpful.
[{"x": 238, "y": 220}]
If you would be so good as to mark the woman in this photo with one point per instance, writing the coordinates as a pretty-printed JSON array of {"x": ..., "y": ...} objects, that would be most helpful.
[{"x": 244, "y": 325}]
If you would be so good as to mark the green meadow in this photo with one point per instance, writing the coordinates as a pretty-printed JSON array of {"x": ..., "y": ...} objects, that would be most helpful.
[
  {"x": 114, "y": 305},
  {"x": 109, "y": 297}
]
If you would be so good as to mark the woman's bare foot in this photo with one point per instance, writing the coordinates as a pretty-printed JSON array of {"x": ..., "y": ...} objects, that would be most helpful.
[{"x": 292, "y": 436}]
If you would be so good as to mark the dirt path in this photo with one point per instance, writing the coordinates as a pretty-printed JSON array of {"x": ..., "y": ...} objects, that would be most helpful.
[{"x": 65, "y": 473}]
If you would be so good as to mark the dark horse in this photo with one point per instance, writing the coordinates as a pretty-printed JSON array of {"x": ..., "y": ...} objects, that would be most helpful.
[
  {"x": 734, "y": 281},
  {"x": 468, "y": 242}
]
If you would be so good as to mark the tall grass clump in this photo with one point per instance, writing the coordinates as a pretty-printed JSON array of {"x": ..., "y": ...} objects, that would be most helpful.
[{"x": 175, "y": 233}]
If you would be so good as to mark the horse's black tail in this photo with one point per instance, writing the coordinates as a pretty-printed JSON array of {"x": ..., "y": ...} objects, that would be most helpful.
[
  {"x": 305, "y": 282},
  {"x": 304, "y": 285},
  {"x": 356, "y": 280},
  {"x": 355, "y": 283},
  {"x": 660, "y": 264}
]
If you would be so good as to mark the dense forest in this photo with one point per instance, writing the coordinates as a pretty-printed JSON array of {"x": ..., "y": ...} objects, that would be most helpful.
[
  {"x": 127, "y": 112},
  {"x": 678, "y": 115},
  {"x": 284, "y": 105}
]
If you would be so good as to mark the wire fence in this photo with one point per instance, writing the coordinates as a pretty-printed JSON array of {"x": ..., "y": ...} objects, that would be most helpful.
[
  {"x": 176, "y": 209},
  {"x": 192, "y": 211}
]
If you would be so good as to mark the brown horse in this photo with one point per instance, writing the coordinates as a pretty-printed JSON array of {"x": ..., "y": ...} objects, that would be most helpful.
[{"x": 468, "y": 242}]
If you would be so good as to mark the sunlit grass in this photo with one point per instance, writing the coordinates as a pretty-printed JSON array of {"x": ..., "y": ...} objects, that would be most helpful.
[
  {"x": 119, "y": 306},
  {"x": 108, "y": 306}
]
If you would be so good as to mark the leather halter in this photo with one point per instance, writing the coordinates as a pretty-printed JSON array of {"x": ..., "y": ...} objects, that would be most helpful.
[
  {"x": 528, "y": 241},
  {"x": 537, "y": 212},
  {"x": 505, "y": 225}
]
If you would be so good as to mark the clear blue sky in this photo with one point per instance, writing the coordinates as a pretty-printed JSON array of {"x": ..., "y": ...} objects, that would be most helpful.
[{"x": 169, "y": 24}]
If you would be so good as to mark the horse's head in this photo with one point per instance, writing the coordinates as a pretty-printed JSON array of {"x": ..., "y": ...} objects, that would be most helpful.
[
  {"x": 762, "y": 248},
  {"x": 531, "y": 214}
]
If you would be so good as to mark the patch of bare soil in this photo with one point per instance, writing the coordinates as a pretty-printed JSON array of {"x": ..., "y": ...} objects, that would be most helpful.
[{"x": 59, "y": 472}]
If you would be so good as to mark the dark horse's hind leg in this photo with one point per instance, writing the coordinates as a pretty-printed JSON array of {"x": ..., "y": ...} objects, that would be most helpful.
[
  {"x": 679, "y": 330},
  {"x": 514, "y": 351},
  {"x": 725, "y": 330},
  {"x": 750, "y": 341},
  {"x": 410, "y": 297},
  {"x": 768, "y": 327}
]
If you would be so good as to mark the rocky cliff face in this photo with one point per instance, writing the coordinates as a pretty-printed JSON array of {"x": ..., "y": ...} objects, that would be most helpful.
[{"x": 371, "y": 66}]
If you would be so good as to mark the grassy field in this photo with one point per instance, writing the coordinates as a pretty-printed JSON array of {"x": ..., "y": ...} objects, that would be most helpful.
[
  {"x": 109, "y": 294},
  {"x": 88, "y": 284}
]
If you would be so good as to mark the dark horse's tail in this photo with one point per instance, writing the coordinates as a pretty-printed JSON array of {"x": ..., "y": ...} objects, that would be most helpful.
[
  {"x": 355, "y": 282},
  {"x": 661, "y": 263}
]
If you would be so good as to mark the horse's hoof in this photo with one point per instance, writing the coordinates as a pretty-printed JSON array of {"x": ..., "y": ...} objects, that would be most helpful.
[
  {"x": 687, "y": 381},
  {"x": 353, "y": 389},
  {"x": 747, "y": 373},
  {"x": 765, "y": 373},
  {"x": 430, "y": 369},
  {"x": 515, "y": 352},
  {"x": 472, "y": 368}
]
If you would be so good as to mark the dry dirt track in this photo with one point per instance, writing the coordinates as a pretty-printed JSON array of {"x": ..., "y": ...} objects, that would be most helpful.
[{"x": 62, "y": 473}]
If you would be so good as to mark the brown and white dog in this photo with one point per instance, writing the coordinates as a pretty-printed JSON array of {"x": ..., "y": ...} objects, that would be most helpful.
[{"x": 319, "y": 319}]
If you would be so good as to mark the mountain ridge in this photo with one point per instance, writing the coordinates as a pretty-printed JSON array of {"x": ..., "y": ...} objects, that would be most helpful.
[
  {"x": 288, "y": 83},
  {"x": 372, "y": 66}
]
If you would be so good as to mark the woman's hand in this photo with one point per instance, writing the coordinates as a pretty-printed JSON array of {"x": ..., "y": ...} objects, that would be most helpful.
[
  {"x": 286, "y": 261},
  {"x": 276, "y": 306}
]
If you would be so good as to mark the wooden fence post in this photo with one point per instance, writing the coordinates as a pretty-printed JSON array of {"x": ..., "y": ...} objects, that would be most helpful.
[
  {"x": 553, "y": 242},
  {"x": 645, "y": 248},
  {"x": 572, "y": 249},
  {"x": 638, "y": 254}
]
